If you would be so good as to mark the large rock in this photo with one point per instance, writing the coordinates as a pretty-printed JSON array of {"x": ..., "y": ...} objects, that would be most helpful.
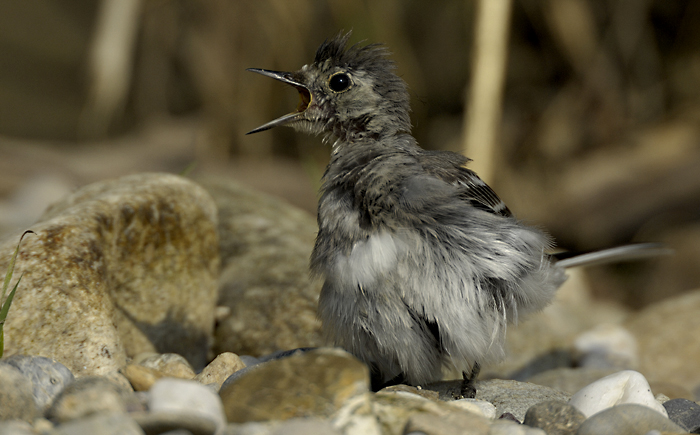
[
  {"x": 117, "y": 268},
  {"x": 265, "y": 249}
]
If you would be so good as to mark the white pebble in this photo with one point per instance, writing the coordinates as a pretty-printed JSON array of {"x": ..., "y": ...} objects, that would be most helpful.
[
  {"x": 170, "y": 395},
  {"x": 626, "y": 386}
]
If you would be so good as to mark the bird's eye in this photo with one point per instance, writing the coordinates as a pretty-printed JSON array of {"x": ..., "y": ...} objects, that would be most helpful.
[{"x": 339, "y": 82}]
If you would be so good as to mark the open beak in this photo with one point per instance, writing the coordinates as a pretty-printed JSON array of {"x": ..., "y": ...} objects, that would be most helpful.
[{"x": 304, "y": 99}]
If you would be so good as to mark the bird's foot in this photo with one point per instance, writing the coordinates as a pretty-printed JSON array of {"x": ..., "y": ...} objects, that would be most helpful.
[{"x": 468, "y": 387}]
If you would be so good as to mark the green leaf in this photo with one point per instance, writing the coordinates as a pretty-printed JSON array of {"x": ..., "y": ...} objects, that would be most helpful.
[
  {"x": 3, "y": 314},
  {"x": 6, "y": 305}
]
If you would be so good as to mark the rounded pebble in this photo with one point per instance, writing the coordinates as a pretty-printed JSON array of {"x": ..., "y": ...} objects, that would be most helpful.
[
  {"x": 555, "y": 418},
  {"x": 48, "y": 377},
  {"x": 16, "y": 397},
  {"x": 91, "y": 395},
  {"x": 619, "y": 388},
  {"x": 627, "y": 419},
  {"x": 170, "y": 396}
]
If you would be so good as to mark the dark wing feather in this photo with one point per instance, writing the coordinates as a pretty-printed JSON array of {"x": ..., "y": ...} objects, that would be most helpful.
[{"x": 450, "y": 167}]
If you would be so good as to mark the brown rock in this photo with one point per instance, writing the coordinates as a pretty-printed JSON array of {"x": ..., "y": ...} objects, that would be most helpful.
[
  {"x": 313, "y": 383},
  {"x": 117, "y": 268},
  {"x": 220, "y": 369},
  {"x": 141, "y": 378},
  {"x": 170, "y": 364},
  {"x": 265, "y": 250}
]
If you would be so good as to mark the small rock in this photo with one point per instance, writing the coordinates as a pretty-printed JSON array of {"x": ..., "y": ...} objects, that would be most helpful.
[
  {"x": 91, "y": 395},
  {"x": 508, "y": 427},
  {"x": 607, "y": 346},
  {"x": 16, "y": 397},
  {"x": 48, "y": 377},
  {"x": 515, "y": 397},
  {"x": 217, "y": 371},
  {"x": 100, "y": 424},
  {"x": 627, "y": 419},
  {"x": 186, "y": 398},
  {"x": 684, "y": 413},
  {"x": 622, "y": 387},
  {"x": 555, "y": 418},
  {"x": 313, "y": 383},
  {"x": 170, "y": 364},
  {"x": 141, "y": 378}
]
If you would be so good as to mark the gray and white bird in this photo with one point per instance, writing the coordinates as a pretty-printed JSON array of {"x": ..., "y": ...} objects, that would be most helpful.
[{"x": 423, "y": 265}]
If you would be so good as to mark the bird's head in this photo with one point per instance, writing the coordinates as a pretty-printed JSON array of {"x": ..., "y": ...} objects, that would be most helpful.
[{"x": 349, "y": 93}]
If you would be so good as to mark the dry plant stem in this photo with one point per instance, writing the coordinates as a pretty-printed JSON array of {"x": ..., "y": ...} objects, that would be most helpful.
[
  {"x": 111, "y": 61},
  {"x": 485, "y": 92}
]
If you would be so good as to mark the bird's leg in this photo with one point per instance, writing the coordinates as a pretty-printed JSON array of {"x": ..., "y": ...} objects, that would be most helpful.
[{"x": 468, "y": 389}]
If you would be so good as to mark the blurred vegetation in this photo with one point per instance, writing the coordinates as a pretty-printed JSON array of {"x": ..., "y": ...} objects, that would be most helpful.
[{"x": 600, "y": 117}]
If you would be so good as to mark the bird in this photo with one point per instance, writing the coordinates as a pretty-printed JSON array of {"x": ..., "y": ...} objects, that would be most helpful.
[{"x": 423, "y": 265}]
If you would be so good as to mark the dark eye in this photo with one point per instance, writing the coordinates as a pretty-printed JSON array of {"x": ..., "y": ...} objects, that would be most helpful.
[{"x": 339, "y": 82}]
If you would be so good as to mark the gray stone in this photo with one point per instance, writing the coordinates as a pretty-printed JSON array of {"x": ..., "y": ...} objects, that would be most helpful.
[
  {"x": 265, "y": 249},
  {"x": 117, "y": 268},
  {"x": 185, "y": 398},
  {"x": 555, "y": 418},
  {"x": 685, "y": 413},
  {"x": 314, "y": 383},
  {"x": 627, "y": 419},
  {"x": 48, "y": 377},
  {"x": 16, "y": 398},
  {"x": 100, "y": 424},
  {"x": 516, "y": 397},
  {"x": 91, "y": 395}
]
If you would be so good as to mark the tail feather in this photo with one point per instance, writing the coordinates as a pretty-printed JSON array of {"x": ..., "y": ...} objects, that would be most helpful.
[{"x": 639, "y": 251}]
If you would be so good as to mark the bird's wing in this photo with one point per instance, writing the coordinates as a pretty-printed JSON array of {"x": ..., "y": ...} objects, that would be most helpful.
[{"x": 450, "y": 168}]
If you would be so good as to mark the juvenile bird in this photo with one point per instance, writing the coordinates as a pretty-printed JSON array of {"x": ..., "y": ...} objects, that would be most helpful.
[{"x": 423, "y": 265}]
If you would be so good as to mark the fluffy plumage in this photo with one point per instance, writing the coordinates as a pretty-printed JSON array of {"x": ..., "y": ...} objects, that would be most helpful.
[{"x": 423, "y": 265}]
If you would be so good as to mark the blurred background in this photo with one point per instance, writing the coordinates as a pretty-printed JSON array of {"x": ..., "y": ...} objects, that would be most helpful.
[{"x": 598, "y": 136}]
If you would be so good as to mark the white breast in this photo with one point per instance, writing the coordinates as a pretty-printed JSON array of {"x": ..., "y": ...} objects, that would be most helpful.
[{"x": 371, "y": 259}]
